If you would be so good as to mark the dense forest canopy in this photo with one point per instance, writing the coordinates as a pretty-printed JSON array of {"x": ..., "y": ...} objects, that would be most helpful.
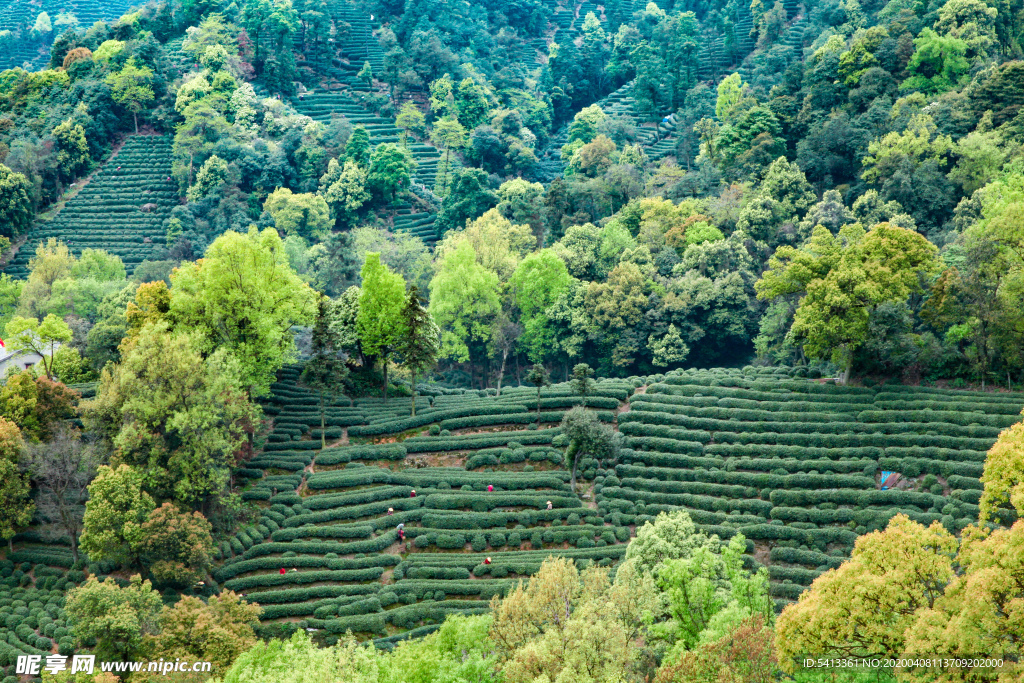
[
  {"x": 269, "y": 266},
  {"x": 661, "y": 160}
]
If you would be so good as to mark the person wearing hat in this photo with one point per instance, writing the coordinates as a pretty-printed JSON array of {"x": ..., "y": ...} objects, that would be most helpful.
[
  {"x": 391, "y": 511},
  {"x": 412, "y": 494},
  {"x": 549, "y": 505},
  {"x": 400, "y": 526},
  {"x": 281, "y": 571},
  {"x": 487, "y": 560},
  {"x": 490, "y": 487}
]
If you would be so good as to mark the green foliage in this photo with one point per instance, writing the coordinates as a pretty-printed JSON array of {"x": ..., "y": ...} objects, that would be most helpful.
[
  {"x": 243, "y": 297},
  {"x": 16, "y": 508},
  {"x": 379, "y": 320},
  {"x": 114, "y": 516},
  {"x": 176, "y": 416},
  {"x": 116, "y": 618}
]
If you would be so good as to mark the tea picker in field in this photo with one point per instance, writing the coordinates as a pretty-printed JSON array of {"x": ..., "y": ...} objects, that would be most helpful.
[
  {"x": 549, "y": 505},
  {"x": 490, "y": 488}
]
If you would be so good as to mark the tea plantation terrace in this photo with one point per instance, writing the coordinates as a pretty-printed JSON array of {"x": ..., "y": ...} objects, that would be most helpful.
[
  {"x": 795, "y": 465},
  {"x": 121, "y": 210},
  {"x": 33, "y": 583},
  {"x": 792, "y": 463},
  {"x": 326, "y": 512}
]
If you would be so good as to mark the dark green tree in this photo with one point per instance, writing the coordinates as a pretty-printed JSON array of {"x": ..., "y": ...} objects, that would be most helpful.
[
  {"x": 539, "y": 377},
  {"x": 470, "y": 197},
  {"x": 587, "y": 437},
  {"x": 582, "y": 382},
  {"x": 390, "y": 171},
  {"x": 15, "y": 203},
  {"x": 420, "y": 340},
  {"x": 357, "y": 148},
  {"x": 325, "y": 370}
]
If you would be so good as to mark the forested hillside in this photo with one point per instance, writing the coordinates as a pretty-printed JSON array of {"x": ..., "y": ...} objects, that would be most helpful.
[{"x": 531, "y": 340}]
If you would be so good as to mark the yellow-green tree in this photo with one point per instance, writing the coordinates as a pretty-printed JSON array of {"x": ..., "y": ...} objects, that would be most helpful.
[
  {"x": 569, "y": 625},
  {"x": 841, "y": 279},
  {"x": 244, "y": 297},
  {"x": 864, "y": 608},
  {"x": 117, "y": 619},
  {"x": 216, "y": 631},
  {"x": 380, "y": 312},
  {"x": 117, "y": 508},
  {"x": 130, "y": 87},
  {"x": 980, "y": 612},
  {"x": 1003, "y": 477},
  {"x": 15, "y": 506}
]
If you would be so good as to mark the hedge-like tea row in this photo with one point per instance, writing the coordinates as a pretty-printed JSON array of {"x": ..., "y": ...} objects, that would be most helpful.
[
  {"x": 701, "y": 502},
  {"x": 429, "y": 444},
  {"x": 428, "y": 417},
  {"x": 568, "y": 401},
  {"x": 795, "y": 452},
  {"x": 293, "y": 445},
  {"x": 879, "y": 439},
  {"x": 862, "y": 498},
  {"x": 659, "y": 459},
  {"x": 334, "y": 531},
  {"x": 346, "y": 478},
  {"x": 808, "y": 557},
  {"x": 278, "y": 579},
  {"x": 272, "y": 564},
  {"x": 633, "y": 424},
  {"x": 914, "y": 466},
  {"x": 515, "y": 418},
  {"x": 370, "y": 495},
  {"x": 357, "y": 511},
  {"x": 344, "y": 454},
  {"x": 954, "y": 417},
  {"x": 482, "y": 502},
  {"x": 993, "y": 408}
]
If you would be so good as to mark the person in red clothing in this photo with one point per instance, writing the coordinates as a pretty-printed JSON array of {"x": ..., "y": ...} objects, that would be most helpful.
[
  {"x": 412, "y": 494},
  {"x": 401, "y": 535},
  {"x": 487, "y": 560},
  {"x": 281, "y": 571},
  {"x": 391, "y": 511},
  {"x": 490, "y": 487}
]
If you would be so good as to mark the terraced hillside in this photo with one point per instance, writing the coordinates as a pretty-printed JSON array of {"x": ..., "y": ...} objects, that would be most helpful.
[
  {"x": 121, "y": 210},
  {"x": 793, "y": 463},
  {"x": 796, "y": 465},
  {"x": 326, "y": 511},
  {"x": 321, "y": 106},
  {"x": 19, "y": 16},
  {"x": 33, "y": 583}
]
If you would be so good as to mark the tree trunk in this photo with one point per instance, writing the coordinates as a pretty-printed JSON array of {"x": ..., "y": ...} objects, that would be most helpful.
[
  {"x": 385, "y": 359},
  {"x": 414, "y": 393},
  {"x": 323, "y": 432},
  {"x": 135, "y": 115},
  {"x": 501, "y": 372},
  {"x": 74, "y": 547},
  {"x": 444, "y": 181}
]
